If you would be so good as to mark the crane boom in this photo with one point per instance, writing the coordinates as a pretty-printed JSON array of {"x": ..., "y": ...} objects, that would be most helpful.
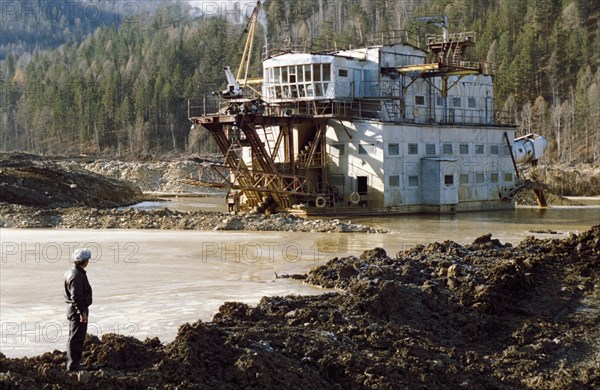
[{"x": 235, "y": 84}]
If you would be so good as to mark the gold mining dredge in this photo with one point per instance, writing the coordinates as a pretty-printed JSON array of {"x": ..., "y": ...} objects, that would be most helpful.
[{"x": 385, "y": 128}]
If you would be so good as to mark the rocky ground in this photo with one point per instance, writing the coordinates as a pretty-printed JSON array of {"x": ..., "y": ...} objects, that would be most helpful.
[
  {"x": 567, "y": 179},
  {"x": 82, "y": 193},
  {"x": 528, "y": 198},
  {"x": 480, "y": 316},
  {"x": 37, "y": 192},
  {"x": 164, "y": 177},
  {"x": 16, "y": 216}
]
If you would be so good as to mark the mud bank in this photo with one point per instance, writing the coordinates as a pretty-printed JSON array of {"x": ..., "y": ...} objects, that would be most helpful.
[
  {"x": 32, "y": 181},
  {"x": 15, "y": 216},
  {"x": 485, "y": 315}
]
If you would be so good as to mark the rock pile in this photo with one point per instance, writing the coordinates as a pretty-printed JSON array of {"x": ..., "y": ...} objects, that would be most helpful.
[
  {"x": 484, "y": 315},
  {"x": 156, "y": 177},
  {"x": 15, "y": 216}
]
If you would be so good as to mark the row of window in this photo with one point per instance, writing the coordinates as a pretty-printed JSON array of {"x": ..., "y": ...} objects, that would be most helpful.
[
  {"x": 298, "y": 73},
  {"x": 452, "y": 101},
  {"x": 479, "y": 178},
  {"x": 298, "y": 81},
  {"x": 306, "y": 90},
  {"x": 430, "y": 149}
]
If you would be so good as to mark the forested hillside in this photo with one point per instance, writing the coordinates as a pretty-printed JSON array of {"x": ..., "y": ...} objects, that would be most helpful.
[
  {"x": 33, "y": 25},
  {"x": 124, "y": 87}
]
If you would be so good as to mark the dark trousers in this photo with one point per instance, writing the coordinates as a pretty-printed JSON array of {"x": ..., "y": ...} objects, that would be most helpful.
[{"x": 77, "y": 331}]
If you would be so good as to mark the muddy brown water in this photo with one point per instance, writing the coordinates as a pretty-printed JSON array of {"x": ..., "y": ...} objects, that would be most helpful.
[{"x": 147, "y": 283}]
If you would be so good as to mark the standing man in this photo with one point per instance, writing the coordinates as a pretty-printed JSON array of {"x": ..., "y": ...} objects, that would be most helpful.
[{"x": 78, "y": 295}]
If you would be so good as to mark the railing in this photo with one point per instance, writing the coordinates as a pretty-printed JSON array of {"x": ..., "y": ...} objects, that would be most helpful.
[
  {"x": 203, "y": 106},
  {"x": 303, "y": 160},
  {"x": 467, "y": 36},
  {"x": 388, "y": 38},
  {"x": 486, "y": 68}
]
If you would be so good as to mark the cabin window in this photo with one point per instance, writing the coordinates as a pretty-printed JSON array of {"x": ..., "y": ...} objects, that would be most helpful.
[
  {"x": 479, "y": 178},
  {"x": 508, "y": 177},
  {"x": 420, "y": 100},
  {"x": 394, "y": 181},
  {"x": 296, "y": 81},
  {"x": 284, "y": 74},
  {"x": 413, "y": 181},
  {"x": 343, "y": 72},
  {"x": 301, "y": 90},
  {"x": 464, "y": 178},
  {"x": 493, "y": 149},
  {"x": 439, "y": 100},
  {"x": 430, "y": 149},
  {"x": 318, "y": 89},
  {"x": 366, "y": 148},
  {"x": 447, "y": 148},
  {"x": 307, "y": 72},
  {"x": 338, "y": 149},
  {"x": 456, "y": 102},
  {"x": 317, "y": 72},
  {"x": 464, "y": 148},
  {"x": 326, "y": 72},
  {"x": 310, "y": 90},
  {"x": 478, "y": 149},
  {"x": 472, "y": 102},
  {"x": 494, "y": 177},
  {"x": 449, "y": 180},
  {"x": 413, "y": 148},
  {"x": 393, "y": 149}
]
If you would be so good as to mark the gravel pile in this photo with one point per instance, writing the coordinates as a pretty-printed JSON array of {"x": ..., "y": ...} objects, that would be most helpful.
[
  {"x": 15, "y": 216},
  {"x": 156, "y": 177}
]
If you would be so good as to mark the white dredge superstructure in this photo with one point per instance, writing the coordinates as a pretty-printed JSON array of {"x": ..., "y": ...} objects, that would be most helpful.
[{"x": 389, "y": 128}]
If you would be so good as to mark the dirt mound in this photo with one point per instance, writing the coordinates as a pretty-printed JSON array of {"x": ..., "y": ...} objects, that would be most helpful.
[
  {"x": 32, "y": 181},
  {"x": 528, "y": 198},
  {"x": 16, "y": 216},
  {"x": 485, "y": 315}
]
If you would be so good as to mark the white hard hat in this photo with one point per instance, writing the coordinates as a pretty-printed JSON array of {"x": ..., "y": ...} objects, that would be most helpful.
[{"x": 82, "y": 255}]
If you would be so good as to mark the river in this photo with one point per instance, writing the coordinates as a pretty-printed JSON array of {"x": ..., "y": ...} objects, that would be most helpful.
[{"x": 148, "y": 282}]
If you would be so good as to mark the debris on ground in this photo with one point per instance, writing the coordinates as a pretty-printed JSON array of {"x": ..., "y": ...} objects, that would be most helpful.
[{"x": 15, "y": 216}]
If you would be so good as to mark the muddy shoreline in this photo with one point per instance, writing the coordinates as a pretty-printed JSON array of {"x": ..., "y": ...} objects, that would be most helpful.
[{"x": 443, "y": 315}]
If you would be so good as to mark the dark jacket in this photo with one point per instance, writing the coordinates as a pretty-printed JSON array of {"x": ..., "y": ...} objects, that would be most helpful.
[{"x": 78, "y": 292}]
